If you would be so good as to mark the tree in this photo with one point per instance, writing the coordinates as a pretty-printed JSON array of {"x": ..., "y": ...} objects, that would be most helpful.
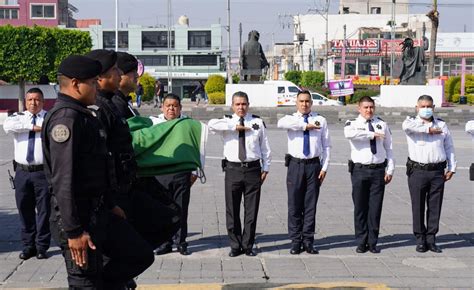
[
  {"x": 312, "y": 79},
  {"x": 215, "y": 83},
  {"x": 29, "y": 53},
  {"x": 433, "y": 15},
  {"x": 293, "y": 76},
  {"x": 148, "y": 83}
]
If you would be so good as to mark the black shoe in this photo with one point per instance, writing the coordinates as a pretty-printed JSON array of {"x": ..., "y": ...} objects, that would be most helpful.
[
  {"x": 373, "y": 249},
  {"x": 421, "y": 248},
  {"x": 183, "y": 250},
  {"x": 295, "y": 249},
  {"x": 235, "y": 252},
  {"x": 27, "y": 253},
  {"x": 250, "y": 253},
  {"x": 309, "y": 248},
  {"x": 131, "y": 284},
  {"x": 433, "y": 248},
  {"x": 362, "y": 248},
  {"x": 41, "y": 255},
  {"x": 163, "y": 250}
]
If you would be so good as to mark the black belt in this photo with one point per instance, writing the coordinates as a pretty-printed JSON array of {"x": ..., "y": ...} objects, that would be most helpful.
[
  {"x": 250, "y": 164},
  {"x": 304, "y": 161},
  {"x": 371, "y": 166},
  {"x": 28, "y": 168},
  {"x": 426, "y": 166}
]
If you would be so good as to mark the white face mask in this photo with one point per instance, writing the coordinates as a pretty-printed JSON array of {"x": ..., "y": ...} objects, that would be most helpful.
[{"x": 425, "y": 113}]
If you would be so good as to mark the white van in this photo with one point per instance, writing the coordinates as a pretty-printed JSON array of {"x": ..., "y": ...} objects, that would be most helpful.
[{"x": 286, "y": 92}]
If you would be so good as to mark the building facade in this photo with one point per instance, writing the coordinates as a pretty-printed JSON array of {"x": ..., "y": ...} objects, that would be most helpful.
[
  {"x": 195, "y": 53},
  {"x": 48, "y": 13}
]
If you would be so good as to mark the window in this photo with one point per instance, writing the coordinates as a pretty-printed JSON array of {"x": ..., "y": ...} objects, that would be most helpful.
[
  {"x": 6, "y": 13},
  {"x": 109, "y": 39},
  {"x": 43, "y": 11},
  {"x": 293, "y": 90},
  {"x": 156, "y": 40},
  {"x": 281, "y": 90},
  {"x": 199, "y": 39},
  {"x": 350, "y": 69},
  {"x": 153, "y": 60},
  {"x": 375, "y": 10},
  {"x": 368, "y": 66},
  {"x": 198, "y": 60}
]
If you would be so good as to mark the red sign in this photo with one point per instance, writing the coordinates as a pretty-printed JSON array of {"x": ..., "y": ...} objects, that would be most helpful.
[
  {"x": 397, "y": 44},
  {"x": 356, "y": 45}
]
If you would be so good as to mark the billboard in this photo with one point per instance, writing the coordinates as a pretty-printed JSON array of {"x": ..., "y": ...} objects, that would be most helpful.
[{"x": 341, "y": 87}]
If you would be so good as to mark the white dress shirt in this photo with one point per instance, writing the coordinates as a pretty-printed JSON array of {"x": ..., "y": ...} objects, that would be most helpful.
[
  {"x": 319, "y": 140},
  {"x": 256, "y": 141},
  {"x": 470, "y": 128},
  {"x": 357, "y": 131},
  {"x": 429, "y": 148},
  {"x": 20, "y": 125}
]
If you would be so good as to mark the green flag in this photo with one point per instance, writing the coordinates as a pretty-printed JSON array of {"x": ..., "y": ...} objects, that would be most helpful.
[{"x": 173, "y": 146}]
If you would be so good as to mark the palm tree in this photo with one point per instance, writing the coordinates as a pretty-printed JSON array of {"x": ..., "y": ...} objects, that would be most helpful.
[{"x": 433, "y": 15}]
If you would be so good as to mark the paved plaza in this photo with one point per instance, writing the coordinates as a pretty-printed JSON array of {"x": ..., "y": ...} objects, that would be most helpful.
[{"x": 397, "y": 266}]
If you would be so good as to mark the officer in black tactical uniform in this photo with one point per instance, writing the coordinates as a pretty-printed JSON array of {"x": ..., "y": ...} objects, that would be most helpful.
[
  {"x": 76, "y": 166},
  {"x": 128, "y": 64}
]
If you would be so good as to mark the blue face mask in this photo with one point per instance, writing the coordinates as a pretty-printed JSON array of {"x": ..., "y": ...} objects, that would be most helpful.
[{"x": 425, "y": 113}]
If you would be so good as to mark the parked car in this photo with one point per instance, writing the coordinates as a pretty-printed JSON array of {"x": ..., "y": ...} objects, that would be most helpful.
[{"x": 320, "y": 100}]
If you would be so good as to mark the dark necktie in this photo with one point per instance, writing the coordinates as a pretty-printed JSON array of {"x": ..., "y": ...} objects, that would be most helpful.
[
  {"x": 373, "y": 142},
  {"x": 30, "y": 155},
  {"x": 242, "y": 150},
  {"x": 306, "y": 149}
]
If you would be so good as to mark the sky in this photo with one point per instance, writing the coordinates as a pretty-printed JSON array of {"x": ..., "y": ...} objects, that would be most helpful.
[{"x": 265, "y": 16}]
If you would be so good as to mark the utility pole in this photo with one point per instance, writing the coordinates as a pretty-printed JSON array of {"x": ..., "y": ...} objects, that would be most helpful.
[
  {"x": 170, "y": 80},
  {"x": 326, "y": 77},
  {"x": 343, "y": 56},
  {"x": 433, "y": 15},
  {"x": 240, "y": 47},
  {"x": 229, "y": 76},
  {"x": 116, "y": 24},
  {"x": 392, "y": 47}
]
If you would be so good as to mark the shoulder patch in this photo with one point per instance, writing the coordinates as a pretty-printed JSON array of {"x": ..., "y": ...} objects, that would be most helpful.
[
  {"x": 256, "y": 116},
  {"x": 228, "y": 116},
  {"x": 60, "y": 133}
]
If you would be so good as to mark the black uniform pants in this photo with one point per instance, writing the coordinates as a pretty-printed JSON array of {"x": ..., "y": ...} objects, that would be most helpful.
[
  {"x": 426, "y": 187},
  {"x": 128, "y": 254},
  {"x": 247, "y": 182},
  {"x": 33, "y": 203},
  {"x": 302, "y": 182},
  {"x": 178, "y": 188},
  {"x": 368, "y": 186}
]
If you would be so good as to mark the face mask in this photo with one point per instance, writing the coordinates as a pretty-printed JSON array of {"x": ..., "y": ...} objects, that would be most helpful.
[{"x": 425, "y": 113}]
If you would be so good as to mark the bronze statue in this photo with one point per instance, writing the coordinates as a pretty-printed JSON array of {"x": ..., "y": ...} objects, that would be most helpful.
[
  {"x": 252, "y": 58},
  {"x": 413, "y": 59}
]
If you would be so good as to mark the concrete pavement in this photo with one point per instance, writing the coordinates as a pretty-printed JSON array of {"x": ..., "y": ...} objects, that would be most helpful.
[{"x": 398, "y": 265}]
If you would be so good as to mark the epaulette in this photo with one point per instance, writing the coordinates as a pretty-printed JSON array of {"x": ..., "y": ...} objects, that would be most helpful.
[
  {"x": 256, "y": 116},
  {"x": 228, "y": 116},
  {"x": 380, "y": 118},
  {"x": 439, "y": 119},
  {"x": 18, "y": 113},
  {"x": 348, "y": 122},
  {"x": 264, "y": 125},
  {"x": 93, "y": 107},
  {"x": 411, "y": 117}
]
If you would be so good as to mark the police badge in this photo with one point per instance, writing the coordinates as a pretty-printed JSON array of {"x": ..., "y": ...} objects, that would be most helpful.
[
  {"x": 255, "y": 126},
  {"x": 379, "y": 127},
  {"x": 317, "y": 124}
]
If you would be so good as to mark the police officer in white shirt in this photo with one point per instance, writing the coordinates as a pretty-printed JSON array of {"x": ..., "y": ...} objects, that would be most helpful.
[
  {"x": 470, "y": 130},
  {"x": 177, "y": 185},
  {"x": 371, "y": 167},
  {"x": 307, "y": 161},
  {"x": 31, "y": 186},
  {"x": 430, "y": 151},
  {"x": 246, "y": 164}
]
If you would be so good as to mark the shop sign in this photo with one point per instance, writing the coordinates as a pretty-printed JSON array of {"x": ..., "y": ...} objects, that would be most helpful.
[
  {"x": 341, "y": 87},
  {"x": 356, "y": 45}
]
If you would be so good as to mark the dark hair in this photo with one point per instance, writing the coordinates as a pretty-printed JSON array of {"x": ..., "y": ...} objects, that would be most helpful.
[
  {"x": 366, "y": 99},
  {"x": 425, "y": 98},
  {"x": 240, "y": 94},
  {"x": 172, "y": 96},
  {"x": 35, "y": 91},
  {"x": 304, "y": 92}
]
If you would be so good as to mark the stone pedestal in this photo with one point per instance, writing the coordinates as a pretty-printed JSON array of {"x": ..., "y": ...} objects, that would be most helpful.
[{"x": 407, "y": 96}]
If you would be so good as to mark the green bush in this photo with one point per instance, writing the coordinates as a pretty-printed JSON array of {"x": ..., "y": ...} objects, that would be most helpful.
[
  {"x": 362, "y": 93},
  {"x": 235, "y": 78},
  {"x": 148, "y": 83},
  {"x": 452, "y": 88},
  {"x": 216, "y": 98},
  {"x": 311, "y": 79},
  {"x": 215, "y": 83},
  {"x": 293, "y": 76}
]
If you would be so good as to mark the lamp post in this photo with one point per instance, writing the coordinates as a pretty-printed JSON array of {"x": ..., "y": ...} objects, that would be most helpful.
[
  {"x": 229, "y": 76},
  {"x": 116, "y": 24},
  {"x": 301, "y": 39}
]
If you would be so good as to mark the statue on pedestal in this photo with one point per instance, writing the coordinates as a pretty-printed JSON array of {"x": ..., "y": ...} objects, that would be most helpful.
[
  {"x": 413, "y": 59},
  {"x": 252, "y": 58}
]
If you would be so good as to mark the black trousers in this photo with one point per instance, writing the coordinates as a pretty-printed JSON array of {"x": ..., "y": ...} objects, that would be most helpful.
[
  {"x": 178, "y": 187},
  {"x": 426, "y": 187},
  {"x": 303, "y": 184},
  {"x": 368, "y": 187},
  {"x": 128, "y": 254},
  {"x": 33, "y": 203},
  {"x": 247, "y": 182}
]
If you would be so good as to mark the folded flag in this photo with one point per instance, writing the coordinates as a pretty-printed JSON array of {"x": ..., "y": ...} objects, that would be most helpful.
[{"x": 169, "y": 147}]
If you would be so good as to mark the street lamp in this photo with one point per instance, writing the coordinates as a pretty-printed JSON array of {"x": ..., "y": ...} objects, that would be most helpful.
[{"x": 301, "y": 38}]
